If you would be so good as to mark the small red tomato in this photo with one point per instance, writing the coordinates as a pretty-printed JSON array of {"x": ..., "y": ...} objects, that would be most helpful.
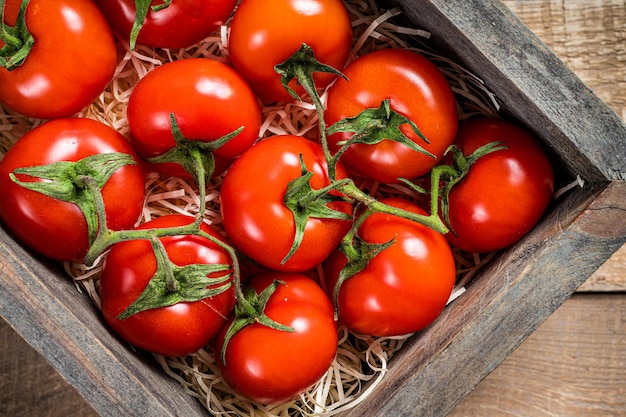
[
  {"x": 405, "y": 287},
  {"x": 181, "y": 24},
  {"x": 208, "y": 99},
  {"x": 71, "y": 62},
  {"x": 55, "y": 228},
  {"x": 175, "y": 330},
  {"x": 254, "y": 212},
  {"x": 505, "y": 192},
  {"x": 271, "y": 366},
  {"x": 417, "y": 90},
  {"x": 265, "y": 33}
]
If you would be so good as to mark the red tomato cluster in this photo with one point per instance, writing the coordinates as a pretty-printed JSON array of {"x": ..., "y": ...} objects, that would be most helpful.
[{"x": 324, "y": 252}]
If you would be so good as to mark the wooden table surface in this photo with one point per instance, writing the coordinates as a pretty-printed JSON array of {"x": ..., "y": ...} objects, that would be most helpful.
[{"x": 573, "y": 365}]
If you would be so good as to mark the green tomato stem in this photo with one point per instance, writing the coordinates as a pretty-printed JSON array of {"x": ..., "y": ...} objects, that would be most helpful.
[
  {"x": 142, "y": 7},
  {"x": 105, "y": 237},
  {"x": 432, "y": 220},
  {"x": 250, "y": 309},
  {"x": 306, "y": 81},
  {"x": 18, "y": 41},
  {"x": 358, "y": 254},
  {"x": 172, "y": 284},
  {"x": 164, "y": 263},
  {"x": 301, "y": 66}
]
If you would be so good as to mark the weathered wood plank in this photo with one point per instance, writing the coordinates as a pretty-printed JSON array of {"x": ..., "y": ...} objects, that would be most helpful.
[
  {"x": 573, "y": 365},
  {"x": 536, "y": 87},
  {"x": 589, "y": 37},
  {"x": 41, "y": 304},
  {"x": 507, "y": 302},
  {"x": 611, "y": 277},
  {"x": 30, "y": 386}
]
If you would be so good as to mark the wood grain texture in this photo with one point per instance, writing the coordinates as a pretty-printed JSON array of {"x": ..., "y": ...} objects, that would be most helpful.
[
  {"x": 590, "y": 38},
  {"x": 555, "y": 373},
  {"x": 610, "y": 277},
  {"x": 536, "y": 88}
]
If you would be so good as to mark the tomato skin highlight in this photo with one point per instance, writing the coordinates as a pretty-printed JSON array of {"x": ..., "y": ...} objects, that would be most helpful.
[
  {"x": 405, "y": 287},
  {"x": 180, "y": 25},
  {"x": 416, "y": 89},
  {"x": 266, "y": 33},
  {"x": 272, "y": 366},
  {"x": 71, "y": 63},
  {"x": 255, "y": 216},
  {"x": 55, "y": 228},
  {"x": 176, "y": 330},
  {"x": 209, "y": 100},
  {"x": 505, "y": 193}
]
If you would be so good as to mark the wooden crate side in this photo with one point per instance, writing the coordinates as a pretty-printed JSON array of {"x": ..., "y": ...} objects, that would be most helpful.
[
  {"x": 43, "y": 306},
  {"x": 509, "y": 300},
  {"x": 531, "y": 82}
]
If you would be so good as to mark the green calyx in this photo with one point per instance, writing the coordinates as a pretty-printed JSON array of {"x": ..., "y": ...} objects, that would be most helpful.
[
  {"x": 196, "y": 157},
  {"x": 142, "y": 7},
  {"x": 301, "y": 66},
  {"x": 374, "y": 125},
  {"x": 18, "y": 41},
  {"x": 460, "y": 169},
  {"x": 77, "y": 182},
  {"x": 173, "y": 284},
  {"x": 250, "y": 308},
  {"x": 306, "y": 202},
  {"x": 358, "y": 254}
]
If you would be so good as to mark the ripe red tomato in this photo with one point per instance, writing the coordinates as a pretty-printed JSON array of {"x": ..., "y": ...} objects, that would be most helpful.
[
  {"x": 52, "y": 227},
  {"x": 405, "y": 287},
  {"x": 175, "y": 330},
  {"x": 181, "y": 24},
  {"x": 416, "y": 89},
  {"x": 272, "y": 366},
  {"x": 209, "y": 100},
  {"x": 505, "y": 193},
  {"x": 71, "y": 62},
  {"x": 265, "y": 33},
  {"x": 255, "y": 216}
]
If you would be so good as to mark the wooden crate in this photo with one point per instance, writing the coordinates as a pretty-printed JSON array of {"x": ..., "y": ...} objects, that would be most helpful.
[{"x": 509, "y": 299}]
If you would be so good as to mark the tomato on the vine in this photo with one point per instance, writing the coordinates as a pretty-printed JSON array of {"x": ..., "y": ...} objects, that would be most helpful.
[
  {"x": 175, "y": 330},
  {"x": 254, "y": 212},
  {"x": 505, "y": 193},
  {"x": 178, "y": 24},
  {"x": 271, "y": 366},
  {"x": 72, "y": 59},
  {"x": 266, "y": 33},
  {"x": 55, "y": 228},
  {"x": 405, "y": 287},
  {"x": 208, "y": 100},
  {"x": 416, "y": 89}
]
